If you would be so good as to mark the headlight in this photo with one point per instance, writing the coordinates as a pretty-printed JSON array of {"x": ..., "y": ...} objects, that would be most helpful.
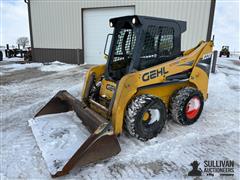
[
  {"x": 134, "y": 20},
  {"x": 110, "y": 24}
]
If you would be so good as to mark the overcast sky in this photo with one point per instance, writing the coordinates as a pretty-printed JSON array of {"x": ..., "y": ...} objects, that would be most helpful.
[{"x": 14, "y": 22}]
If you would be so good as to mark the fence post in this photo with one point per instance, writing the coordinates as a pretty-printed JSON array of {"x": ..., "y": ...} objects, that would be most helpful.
[
  {"x": 215, "y": 54},
  {"x": 6, "y": 50}
]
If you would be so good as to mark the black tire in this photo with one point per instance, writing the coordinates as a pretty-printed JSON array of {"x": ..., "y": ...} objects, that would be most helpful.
[
  {"x": 179, "y": 105},
  {"x": 134, "y": 122}
]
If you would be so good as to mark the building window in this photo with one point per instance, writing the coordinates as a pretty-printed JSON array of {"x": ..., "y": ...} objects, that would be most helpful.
[{"x": 158, "y": 43}]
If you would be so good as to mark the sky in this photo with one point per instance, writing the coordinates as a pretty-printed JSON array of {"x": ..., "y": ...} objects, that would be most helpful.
[
  {"x": 226, "y": 24},
  {"x": 14, "y": 22}
]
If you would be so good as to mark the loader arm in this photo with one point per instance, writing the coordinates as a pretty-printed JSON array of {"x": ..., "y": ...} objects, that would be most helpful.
[
  {"x": 201, "y": 69},
  {"x": 93, "y": 73}
]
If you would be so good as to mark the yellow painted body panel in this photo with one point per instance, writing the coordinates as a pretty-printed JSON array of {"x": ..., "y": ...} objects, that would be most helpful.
[
  {"x": 107, "y": 89},
  {"x": 200, "y": 79},
  {"x": 98, "y": 71},
  {"x": 198, "y": 76},
  {"x": 126, "y": 90},
  {"x": 147, "y": 81},
  {"x": 163, "y": 92}
]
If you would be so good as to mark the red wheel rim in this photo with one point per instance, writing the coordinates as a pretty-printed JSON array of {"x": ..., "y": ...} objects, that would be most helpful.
[{"x": 192, "y": 107}]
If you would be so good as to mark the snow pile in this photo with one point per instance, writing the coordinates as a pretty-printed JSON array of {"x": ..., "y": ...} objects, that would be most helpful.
[
  {"x": 58, "y": 136},
  {"x": 57, "y": 66}
]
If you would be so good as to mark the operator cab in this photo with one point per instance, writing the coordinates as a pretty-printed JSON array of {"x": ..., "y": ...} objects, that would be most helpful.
[
  {"x": 225, "y": 47},
  {"x": 140, "y": 42}
]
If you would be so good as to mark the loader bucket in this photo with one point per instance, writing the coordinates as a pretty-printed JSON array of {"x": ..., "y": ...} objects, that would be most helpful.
[{"x": 102, "y": 143}]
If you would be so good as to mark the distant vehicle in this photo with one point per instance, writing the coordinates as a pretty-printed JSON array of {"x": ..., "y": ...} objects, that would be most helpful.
[
  {"x": 225, "y": 51},
  {"x": 15, "y": 52}
]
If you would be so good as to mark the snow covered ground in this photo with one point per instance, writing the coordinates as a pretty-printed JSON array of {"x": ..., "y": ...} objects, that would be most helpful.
[
  {"x": 214, "y": 137},
  {"x": 55, "y": 66}
]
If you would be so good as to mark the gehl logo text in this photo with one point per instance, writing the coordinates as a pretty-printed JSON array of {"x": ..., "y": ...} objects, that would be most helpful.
[{"x": 154, "y": 74}]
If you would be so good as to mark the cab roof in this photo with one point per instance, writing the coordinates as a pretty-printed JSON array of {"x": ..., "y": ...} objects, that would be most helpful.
[{"x": 140, "y": 20}]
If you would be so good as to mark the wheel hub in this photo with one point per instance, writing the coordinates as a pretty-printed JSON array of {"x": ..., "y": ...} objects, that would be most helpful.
[
  {"x": 146, "y": 116},
  {"x": 193, "y": 107},
  {"x": 151, "y": 116}
]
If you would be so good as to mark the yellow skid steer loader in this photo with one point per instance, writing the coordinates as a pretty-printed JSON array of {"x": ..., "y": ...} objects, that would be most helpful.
[{"x": 146, "y": 77}]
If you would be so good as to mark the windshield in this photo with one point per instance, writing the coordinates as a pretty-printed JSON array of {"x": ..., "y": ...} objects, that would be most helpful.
[{"x": 123, "y": 49}]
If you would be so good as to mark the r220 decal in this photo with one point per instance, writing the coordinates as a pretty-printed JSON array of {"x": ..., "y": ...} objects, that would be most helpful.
[
  {"x": 205, "y": 63},
  {"x": 154, "y": 74},
  {"x": 207, "y": 56}
]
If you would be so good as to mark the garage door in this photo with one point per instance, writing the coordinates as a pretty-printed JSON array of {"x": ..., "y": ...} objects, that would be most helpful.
[{"x": 96, "y": 27}]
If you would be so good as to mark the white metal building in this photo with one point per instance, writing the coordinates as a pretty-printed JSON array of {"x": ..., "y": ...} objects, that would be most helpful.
[{"x": 75, "y": 31}]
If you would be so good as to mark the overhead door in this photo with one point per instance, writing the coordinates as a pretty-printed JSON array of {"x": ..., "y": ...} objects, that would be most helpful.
[{"x": 95, "y": 30}]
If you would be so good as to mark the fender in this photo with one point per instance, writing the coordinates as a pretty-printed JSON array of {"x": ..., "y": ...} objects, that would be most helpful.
[{"x": 201, "y": 69}]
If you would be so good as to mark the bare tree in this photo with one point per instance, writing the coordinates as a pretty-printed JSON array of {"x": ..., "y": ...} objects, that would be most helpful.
[{"x": 23, "y": 41}]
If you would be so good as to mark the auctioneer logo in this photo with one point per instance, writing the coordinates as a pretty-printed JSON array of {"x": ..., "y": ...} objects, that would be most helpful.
[
  {"x": 195, "y": 170},
  {"x": 211, "y": 168}
]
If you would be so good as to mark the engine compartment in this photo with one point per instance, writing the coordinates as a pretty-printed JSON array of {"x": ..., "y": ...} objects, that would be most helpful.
[{"x": 102, "y": 92}]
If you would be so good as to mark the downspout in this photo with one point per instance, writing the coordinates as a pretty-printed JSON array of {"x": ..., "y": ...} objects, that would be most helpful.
[
  {"x": 30, "y": 26},
  {"x": 211, "y": 18}
]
